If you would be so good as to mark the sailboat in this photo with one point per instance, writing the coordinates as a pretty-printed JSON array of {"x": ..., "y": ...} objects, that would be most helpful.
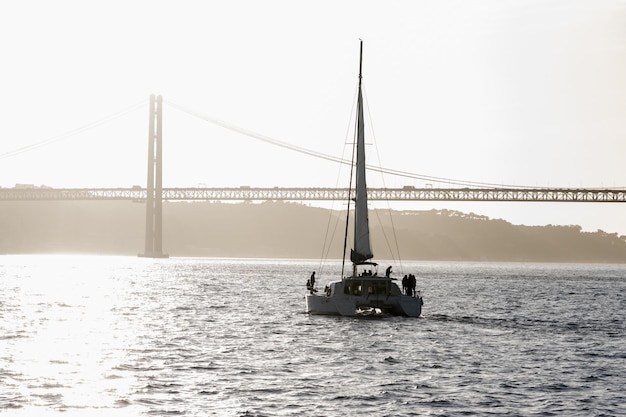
[{"x": 362, "y": 293}]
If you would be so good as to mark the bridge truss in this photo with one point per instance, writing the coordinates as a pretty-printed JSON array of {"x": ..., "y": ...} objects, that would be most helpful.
[{"x": 555, "y": 195}]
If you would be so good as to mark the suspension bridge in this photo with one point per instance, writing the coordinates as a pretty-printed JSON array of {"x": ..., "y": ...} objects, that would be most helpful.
[
  {"x": 140, "y": 194},
  {"x": 154, "y": 194}
]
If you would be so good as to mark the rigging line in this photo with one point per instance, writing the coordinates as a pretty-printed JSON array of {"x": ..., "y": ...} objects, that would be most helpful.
[
  {"x": 382, "y": 176},
  {"x": 320, "y": 155},
  {"x": 326, "y": 248},
  {"x": 73, "y": 132},
  {"x": 352, "y": 167}
]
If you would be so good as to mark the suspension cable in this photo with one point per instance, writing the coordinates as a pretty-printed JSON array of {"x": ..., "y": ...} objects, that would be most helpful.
[
  {"x": 306, "y": 151},
  {"x": 74, "y": 132}
]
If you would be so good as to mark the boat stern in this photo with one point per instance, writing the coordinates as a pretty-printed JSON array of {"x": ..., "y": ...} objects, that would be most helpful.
[
  {"x": 411, "y": 306},
  {"x": 320, "y": 304}
]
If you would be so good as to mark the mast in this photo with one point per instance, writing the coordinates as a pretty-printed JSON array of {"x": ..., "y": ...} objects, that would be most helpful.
[
  {"x": 360, "y": 64},
  {"x": 362, "y": 250}
]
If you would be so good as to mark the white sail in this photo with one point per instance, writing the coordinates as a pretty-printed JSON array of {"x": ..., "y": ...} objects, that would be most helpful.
[{"x": 362, "y": 250}]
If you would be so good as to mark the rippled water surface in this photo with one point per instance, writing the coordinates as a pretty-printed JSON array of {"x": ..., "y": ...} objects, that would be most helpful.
[{"x": 117, "y": 336}]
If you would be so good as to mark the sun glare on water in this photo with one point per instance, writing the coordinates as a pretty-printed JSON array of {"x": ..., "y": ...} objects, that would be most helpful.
[{"x": 77, "y": 334}]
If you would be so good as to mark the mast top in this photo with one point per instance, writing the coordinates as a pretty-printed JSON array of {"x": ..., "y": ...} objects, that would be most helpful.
[{"x": 360, "y": 62}]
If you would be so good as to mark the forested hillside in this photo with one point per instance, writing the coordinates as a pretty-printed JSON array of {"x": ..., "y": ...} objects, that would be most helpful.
[{"x": 291, "y": 230}]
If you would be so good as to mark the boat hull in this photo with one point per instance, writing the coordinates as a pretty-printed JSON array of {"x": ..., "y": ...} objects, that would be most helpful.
[
  {"x": 321, "y": 304},
  {"x": 342, "y": 299}
]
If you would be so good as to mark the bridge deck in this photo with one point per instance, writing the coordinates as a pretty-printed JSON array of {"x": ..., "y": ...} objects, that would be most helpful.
[{"x": 576, "y": 195}]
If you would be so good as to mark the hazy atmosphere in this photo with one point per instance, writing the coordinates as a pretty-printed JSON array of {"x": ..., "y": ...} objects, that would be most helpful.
[
  {"x": 525, "y": 93},
  {"x": 251, "y": 307},
  {"x": 277, "y": 230}
]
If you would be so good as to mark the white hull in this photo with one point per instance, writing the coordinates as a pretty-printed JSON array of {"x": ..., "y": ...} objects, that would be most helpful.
[{"x": 349, "y": 297}]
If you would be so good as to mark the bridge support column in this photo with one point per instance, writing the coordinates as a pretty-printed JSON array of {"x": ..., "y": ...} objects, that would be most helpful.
[{"x": 154, "y": 189}]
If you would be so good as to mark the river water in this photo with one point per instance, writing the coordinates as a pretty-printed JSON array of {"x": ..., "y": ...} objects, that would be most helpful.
[{"x": 123, "y": 336}]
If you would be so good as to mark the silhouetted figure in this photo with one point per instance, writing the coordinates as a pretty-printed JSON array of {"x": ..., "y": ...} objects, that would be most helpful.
[
  {"x": 412, "y": 283},
  {"x": 388, "y": 271},
  {"x": 405, "y": 284},
  {"x": 313, "y": 279}
]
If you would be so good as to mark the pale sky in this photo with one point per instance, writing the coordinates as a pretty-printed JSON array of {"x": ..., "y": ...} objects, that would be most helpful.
[{"x": 526, "y": 93}]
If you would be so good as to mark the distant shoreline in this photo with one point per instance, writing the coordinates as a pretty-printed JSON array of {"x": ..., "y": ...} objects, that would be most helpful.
[{"x": 282, "y": 230}]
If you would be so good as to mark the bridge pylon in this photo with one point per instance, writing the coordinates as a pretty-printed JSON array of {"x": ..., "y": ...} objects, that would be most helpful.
[{"x": 154, "y": 189}]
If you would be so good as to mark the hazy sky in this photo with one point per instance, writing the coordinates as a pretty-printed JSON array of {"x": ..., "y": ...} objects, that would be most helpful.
[{"x": 504, "y": 92}]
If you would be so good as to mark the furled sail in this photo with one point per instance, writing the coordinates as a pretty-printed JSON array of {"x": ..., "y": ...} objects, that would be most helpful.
[{"x": 362, "y": 250}]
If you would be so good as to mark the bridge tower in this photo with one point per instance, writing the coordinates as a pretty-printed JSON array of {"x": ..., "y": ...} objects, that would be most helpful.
[{"x": 154, "y": 189}]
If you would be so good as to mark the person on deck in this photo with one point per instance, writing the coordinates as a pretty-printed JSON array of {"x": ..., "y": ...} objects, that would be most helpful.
[
  {"x": 408, "y": 285},
  {"x": 388, "y": 271},
  {"x": 412, "y": 284}
]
